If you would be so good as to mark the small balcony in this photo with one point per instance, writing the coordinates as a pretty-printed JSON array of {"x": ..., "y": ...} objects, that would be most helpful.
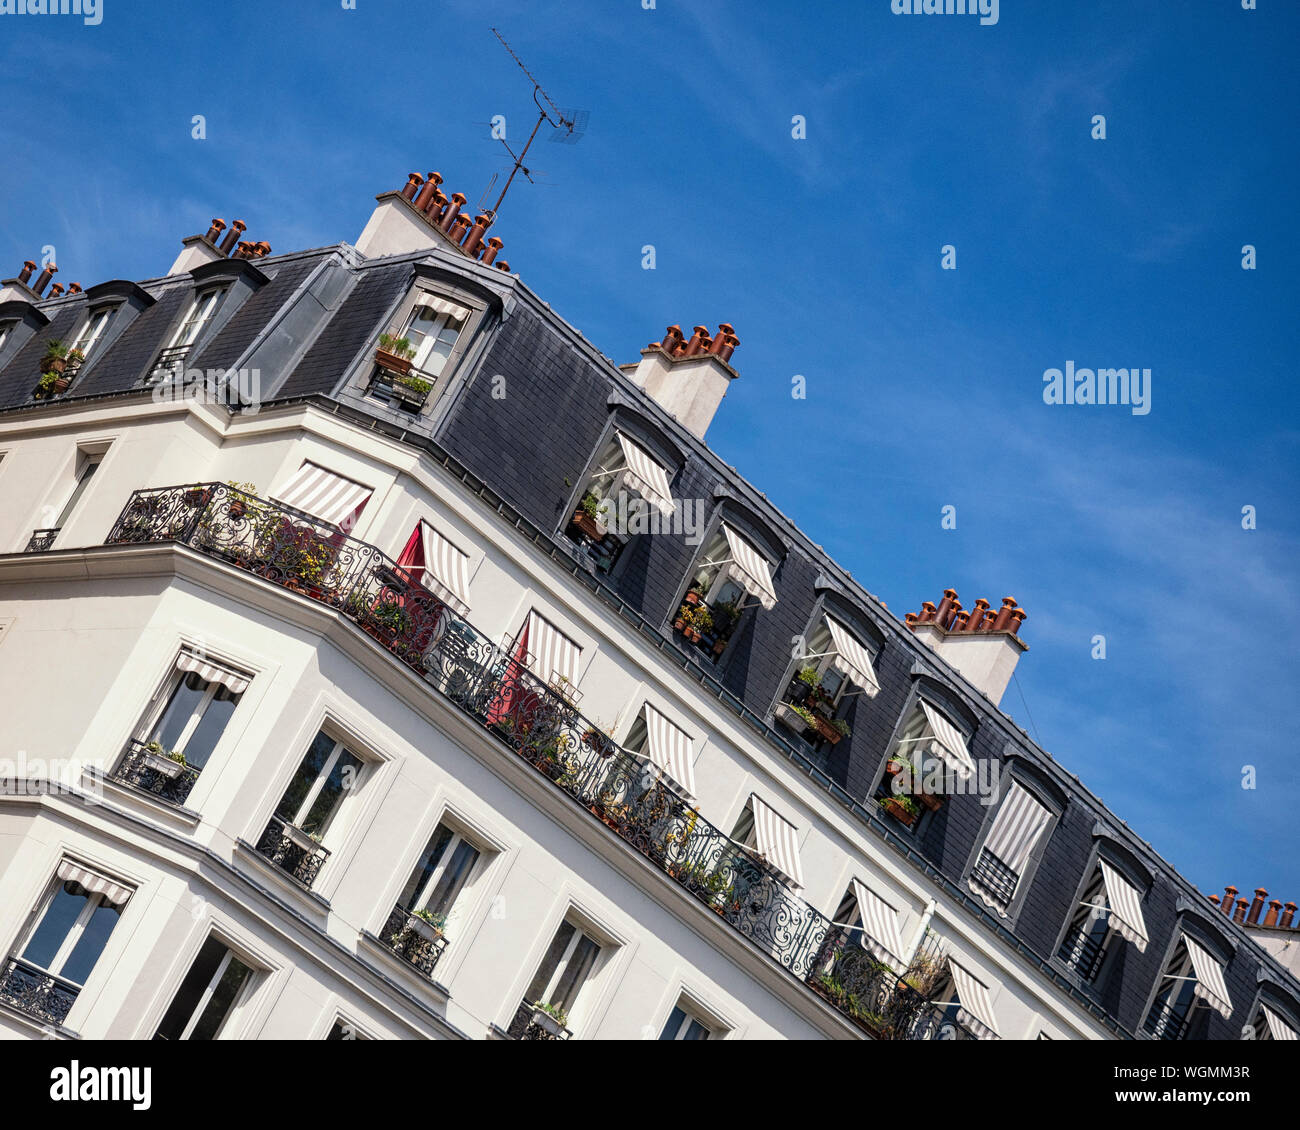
[
  {"x": 41, "y": 995},
  {"x": 707, "y": 628},
  {"x": 169, "y": 365},
  {"x": 1168, "y": 1021},
  {"x": 417, "y": 939},
  {"x": 292, "y": 850},
  {"x": 534, "y": 1021},
  {"x": 400, "y": 383},
  {"x": 592, "y": 536},
  {"x": 151, "y": 769},
  {"x": 42, "y": 541}
]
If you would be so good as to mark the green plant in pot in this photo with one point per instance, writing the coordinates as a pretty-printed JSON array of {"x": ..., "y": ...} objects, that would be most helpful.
[{"x": 55, "y": 359}]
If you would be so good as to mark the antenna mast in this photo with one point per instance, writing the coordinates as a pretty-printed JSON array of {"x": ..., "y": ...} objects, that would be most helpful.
[{"x": 559, "y": 121}]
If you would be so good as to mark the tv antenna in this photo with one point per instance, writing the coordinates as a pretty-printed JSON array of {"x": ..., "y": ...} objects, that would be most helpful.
[{"x": 549, "y": 113}]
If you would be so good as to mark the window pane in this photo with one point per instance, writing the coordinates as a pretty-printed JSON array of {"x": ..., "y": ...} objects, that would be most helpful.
[
  {"x": 675, "y": 1021},
  {"x": 91, "y": 943},
  {"x": 575, "y": 973},
  {"x": 222, "y": 1000},
  {"x": 343, "y": 777},
  {"x": 696, "y": 1031},
  {"x": 69, "y": 901},
  {"x": 179, "y": 710},
  {"x": 83, "y": 481},
  {"x": 550, "y": 962},
  {"x": 210, "y": 728},
  {"x": 306, "y": 776},
  {"x": 427, "y": 865},
  {"x": 453, "y": 878},
  {"x": 191, "y": 991}
]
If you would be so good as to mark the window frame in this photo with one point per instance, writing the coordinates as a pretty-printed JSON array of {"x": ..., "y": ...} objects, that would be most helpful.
[
  {"x": 76, "y": 931},
  {"x": 911, "y": 713},
  {"x": 92, "y": 329}
]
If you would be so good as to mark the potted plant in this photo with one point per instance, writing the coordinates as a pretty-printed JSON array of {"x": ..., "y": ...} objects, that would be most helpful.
[
  {"x": 56, "y": 357},
  {"x": 238, "y": 505},
  {"x": 795, "y": 717},
  {"x": 307, "y": 841},
  {"x": 701, "y": 622},
  {"x": 391, "y": 619},
  {"x": 551, "y": 1018},
  {"x": 898, "y": 764},
  {"x": 929, "y": 800},
  {"x": 411, "y": 390},
  {"x": 426, "y": 924},
  {"x": 50, "y": 385},
  {"x": 693, "y": 595},
  {"x": 166, "y": 763},
  {"x": 830, "y": 729},
  {"x": 598, "y": 742},
  {"x": 394, "y": 354},
  {"x": 587, "y": 517},
  {"x": 902, "y": 808}
]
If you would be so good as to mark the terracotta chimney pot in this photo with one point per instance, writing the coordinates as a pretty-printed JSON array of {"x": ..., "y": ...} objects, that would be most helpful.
[
  {"x": 214, "y": 232},
  {"x": 413, "y": 182},
  {"x": 44, "y": 280},
  {"x": 75, "y": 288},
  {"x": 481, "y": 224},
  {"x": 977, "y": 615},
  {"x": 1003, "y": 616},
  {"x": 696, "y": 344},
  {"x": 927, "y": 612},
  {"x": 730, "y": 341},
  {"x": 26, "y": 273},
  {"x": 1285, "y": 920},
  {"x": 232, "y": 237},
  {"x": 1229, "y": 896},
  {"x": 502, "y": 265},
  {"x": 453, "y": 210},
  {"x": 1018, "y": 617},
  {"x": 944, "y": 612},
  {"x": 1240, "y": 916},
  {"x": 424, "y": 195},
  {"x": 1274, "y": 908},
  {"x": 1257, "y": 905},
  {"x": 55, "y": 290},
  {"x": 493, "y": 246}
]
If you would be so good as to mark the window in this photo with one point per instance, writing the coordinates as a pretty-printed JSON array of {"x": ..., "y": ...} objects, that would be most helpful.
[
  {"x": 565, "y": 970},
  {"x": 88, "y": 337},
  {"x": 5, "y": 329},
  {"x": 345, "y": 1030},
  {"x": 552, "y": 656},
  {"x": 71, "y": 927},
  {"x": 965, "y": 1008},
  {"x": 171, "y": 360},
  {"x": 682, "y": 1025},
  {"x": 432, "y": 329},
  {"x": 1192, "y": 978},
  {"x": 665, "y": 745},
  {"x": 874, "y": 921},
  {"x": 1272, "y": 1022},
  {"x": 834, "y": 667},
  {"x": 1110, "y": 904},
  {"x": 605, "y": 517},
  {"x": 732, "y": 576},
  {"x": 430, "y": 559},
  {"x": 929, "y": 747},
  {"x": 213, "y": 990},
  {"x": 87, "y": 465},
  {"x": 766, "y": 833},
  {"x": 1016, "y": 830}
]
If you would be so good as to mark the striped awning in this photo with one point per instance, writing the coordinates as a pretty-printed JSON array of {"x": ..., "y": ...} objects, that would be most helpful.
[
  {"x": 951, "y": 745},
  {"x": 552, "y": 655},
  {"x": 325, "y": 495},
  {"x": 1278, "y": 1028},
  {"x": 669, "y": 747},
  {"x": 852, "y": 659},
  {"x": 1125, "y": 907},
  {"x": 97, "y": 884},
  {"x": 211, "y": 672},
  {"x": 748, "y": 568},
  {"x": 778, "y": 840},
  {"x": 879, "y": 925},
  {"x": 439, "y": 306},
  {"x": 976, "y": 1011},
  {"x": 1017, "y": 827},
  {"x": 1209, "y": 979},
  {"x": 446, "y": 569},
  {"x": 645, "y": 475}
]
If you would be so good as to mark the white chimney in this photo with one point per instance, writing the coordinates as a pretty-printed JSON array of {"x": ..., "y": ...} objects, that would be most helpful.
[
  {"x": 982, "y": 644},
  {"x": 688, "y": 378}
]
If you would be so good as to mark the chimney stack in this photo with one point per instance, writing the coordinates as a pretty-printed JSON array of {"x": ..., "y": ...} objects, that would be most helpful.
[
  {"x": 26, "y": 273},
  {"x": 1229, "y": 897},
  {"x": 983, "y": 645},
  {"x": 688, "y": 378},
  {"x": 420, "y": 217}
]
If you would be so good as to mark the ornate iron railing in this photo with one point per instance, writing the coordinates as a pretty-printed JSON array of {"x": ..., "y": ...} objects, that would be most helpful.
[
  {"x": 142, "y": 769},
  {"x": 37, "y": 993},
  {"x": 401, "y": 393},
  {"x": 1082, "y": 951},
  {"x": 1168, "y": 1021},
  {"x": 42, "y": 541},
  {"x": 168, "y": 365},
  {"x": 292, "y": 850},
  {"x": 402, "y": 934},
  {"x": 622, "y": 790},
  {"x": 532, "y": 1023}
]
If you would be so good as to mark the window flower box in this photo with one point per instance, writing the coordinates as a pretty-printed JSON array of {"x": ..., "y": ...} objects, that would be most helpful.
[
  {"x": 422, "y": 927},
  {"x": 298, "y": 837},
  {"x": 160, "y": 763},
  {"x": 549, "y": 1024},
  {"x": 589, "y": 525},
  {"x": 826, "y": 729},
  {"x": 903, "y": 809}
]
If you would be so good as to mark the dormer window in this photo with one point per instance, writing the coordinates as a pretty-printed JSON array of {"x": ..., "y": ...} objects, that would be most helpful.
[
  {"x": 835, "y": 668},
  {"x": 5, "y": 329},
  {"x": 732, "y": 577},
  {"x": 92, "y": 329},
  {"x": 626, "y": 493},
  {"x": 1192, "y": 979},
  {"x": 170, "y": 364},
  {"x": 410, "y": 360},
  {"x": 930, "y": 747},
  {"x": 1110, "y": 905}
]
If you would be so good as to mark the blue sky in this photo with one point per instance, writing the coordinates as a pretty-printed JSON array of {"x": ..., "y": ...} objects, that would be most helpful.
[{"x": 924, "y": 386}]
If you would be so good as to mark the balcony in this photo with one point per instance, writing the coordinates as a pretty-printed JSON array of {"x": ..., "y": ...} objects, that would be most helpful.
[
  {"x": 292, "y": 850},
  {"x": 42, "y": 541},
  {"x": 533, "y": 1022},
  {"x": 169, "y": 365},
  {"x": 414, "y": 939},
  {"x": 534, "y": 722},
  {"x": 705, "y": 627},
  {"x": 39, "y": 994},
  {"x": 148, "y": 768},
  {"x": 1168, "y": 1021},
  {"x": 408, "y": 391}
]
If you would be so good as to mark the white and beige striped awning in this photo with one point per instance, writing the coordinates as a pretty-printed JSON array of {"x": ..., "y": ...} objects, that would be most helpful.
[
  {"x": 879, "y": 925},
  {"x": 1278, "y": 1028},
  {"x": 748, "y": 568},
  {"x": 446, "y": 568},
  {"x": 95, "y": 883},
  {"x": 552, "y": 655},
  {"x": 976, "y": 1011},
  {"x": 438, "y": 306},
  {"x": 1016, "y": 828},
  {"x": 325, "y": 495},
  {"x": 1125, "y": 907},
  {"x": 951, "y": 745},
  {"x": 211, "y": 672},
  {"x": 778, "y": 840},
  {"x": 1209, "y": 978},
  {"x": 852, "y": 660},
  {"x": 645, "y": 474},
  {"x": 669, "y": 747}
]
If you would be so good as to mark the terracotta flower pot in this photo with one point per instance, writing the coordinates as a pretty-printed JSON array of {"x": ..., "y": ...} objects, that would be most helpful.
[
  {"x": 392, "y": 362},
  {"x": 930, "y": 801},
  {"x": 53, "y": 364},
  {"x": 826, "y": 730},
  {"x": 895, "y": 809},
  {"x": 693, "y": 597}
]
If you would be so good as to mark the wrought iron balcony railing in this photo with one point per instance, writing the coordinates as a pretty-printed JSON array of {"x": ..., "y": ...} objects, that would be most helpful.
[
  {"x": 168, "y": 365},
  {"x": 1168, "y": 1022},
  {"x": 1082, "y": 951},
  {"x": 39, "y": 994},
  {"x": 145, "y": 769},
  {"x": 292, "y": 850},
  {"x": 410, "y": 393},
  {"x": 413, "y": 940},
  {"x": 534, "y": 1023},
  {"x": 42, "y": 541},
  {"x": 544, "y": 728}
]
